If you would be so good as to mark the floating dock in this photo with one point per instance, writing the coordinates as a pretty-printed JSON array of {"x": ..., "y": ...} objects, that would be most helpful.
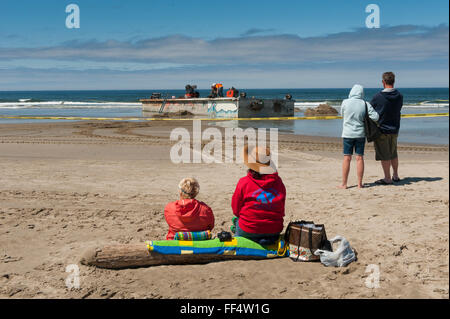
[{"x": 227, "y": 107}]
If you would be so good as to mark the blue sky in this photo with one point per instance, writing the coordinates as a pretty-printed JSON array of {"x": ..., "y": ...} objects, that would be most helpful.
[{"x": 168, "y": 43}]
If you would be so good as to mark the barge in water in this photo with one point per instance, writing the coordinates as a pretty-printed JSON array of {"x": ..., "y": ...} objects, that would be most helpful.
[{"x": 225, "y": 107}]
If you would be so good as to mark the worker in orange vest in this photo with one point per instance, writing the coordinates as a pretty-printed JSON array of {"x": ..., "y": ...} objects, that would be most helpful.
[
  {"x": 189, "y": 91},
  {"x": 232, "y": 92},
  {"x": 219, "y": 89}
]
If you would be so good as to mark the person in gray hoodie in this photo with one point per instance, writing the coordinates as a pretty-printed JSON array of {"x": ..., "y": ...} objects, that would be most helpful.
[{"x": 353, "y": 111}]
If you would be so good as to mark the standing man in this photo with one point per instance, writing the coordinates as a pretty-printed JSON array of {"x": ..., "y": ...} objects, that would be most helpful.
[{"x": 388, "y": 104}]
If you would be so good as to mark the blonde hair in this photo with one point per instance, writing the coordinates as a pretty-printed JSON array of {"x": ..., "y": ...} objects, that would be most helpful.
[{"x": 189, "y": 187}]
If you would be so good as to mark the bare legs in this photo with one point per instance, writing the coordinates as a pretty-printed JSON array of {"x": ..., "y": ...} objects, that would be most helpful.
[
  {"x": 360, "y": 170},
  {"x": 386, "y": 165},
  {"x": 394, "y": 164},
  {"x": 346, "y": 170}
]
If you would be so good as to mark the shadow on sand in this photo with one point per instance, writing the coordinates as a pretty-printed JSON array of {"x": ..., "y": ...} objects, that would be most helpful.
[{"x": 408, "y": 181}]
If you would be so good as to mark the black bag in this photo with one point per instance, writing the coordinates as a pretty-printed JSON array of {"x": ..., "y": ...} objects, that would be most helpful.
[{"x": 371, "y": 127}]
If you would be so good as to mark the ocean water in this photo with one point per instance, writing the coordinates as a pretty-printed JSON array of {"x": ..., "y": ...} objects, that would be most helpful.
[{"x": 126, "y": 104}]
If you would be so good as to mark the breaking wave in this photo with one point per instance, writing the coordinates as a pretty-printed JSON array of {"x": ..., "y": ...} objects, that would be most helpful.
[{"x": 26, "y": 103}]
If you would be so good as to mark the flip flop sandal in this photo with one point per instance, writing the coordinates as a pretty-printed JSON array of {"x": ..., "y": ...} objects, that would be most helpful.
[
  {"x": 396, "y": 180},
  {"x": 382, "y": 182}
]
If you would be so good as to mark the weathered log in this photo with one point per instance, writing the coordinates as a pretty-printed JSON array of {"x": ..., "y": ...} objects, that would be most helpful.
[{"x": 137, "y": 255}]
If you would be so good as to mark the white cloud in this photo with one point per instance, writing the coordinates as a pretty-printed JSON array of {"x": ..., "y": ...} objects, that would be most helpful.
[
  {"x": 410, "y": 43},
  {"x": 419, "y": 56}
]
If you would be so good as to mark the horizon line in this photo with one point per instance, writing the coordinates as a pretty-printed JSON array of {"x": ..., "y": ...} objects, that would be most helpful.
[{"x": 182, "y": 89}]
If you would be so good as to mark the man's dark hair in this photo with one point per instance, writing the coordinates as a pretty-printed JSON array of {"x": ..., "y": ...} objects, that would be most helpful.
[{"x": 389, "y": 78}]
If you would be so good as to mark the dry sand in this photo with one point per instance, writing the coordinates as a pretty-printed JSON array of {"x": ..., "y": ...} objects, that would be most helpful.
[{"x": 66, "y": 187}]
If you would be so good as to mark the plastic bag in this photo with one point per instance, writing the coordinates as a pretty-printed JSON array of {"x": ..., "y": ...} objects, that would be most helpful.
[{"x": 341, "y": 257}]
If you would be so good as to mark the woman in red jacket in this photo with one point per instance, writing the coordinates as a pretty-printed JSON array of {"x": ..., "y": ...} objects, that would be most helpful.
[
  {"x": 188, "y": 214},
  {"x": 259, "y": 199}
]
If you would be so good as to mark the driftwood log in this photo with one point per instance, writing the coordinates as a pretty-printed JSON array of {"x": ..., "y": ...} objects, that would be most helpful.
[{"x": 137, "y": 255}]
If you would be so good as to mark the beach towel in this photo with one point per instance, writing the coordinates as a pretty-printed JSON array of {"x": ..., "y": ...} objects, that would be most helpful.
[
  {"x": 238, "y": 246},
  {"x": 198, "y": 235}
]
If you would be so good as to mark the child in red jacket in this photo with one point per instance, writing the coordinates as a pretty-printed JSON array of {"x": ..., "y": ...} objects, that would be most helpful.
[
  {"x": 188, "y": 214},
  {"x": 259, "y": 199}
]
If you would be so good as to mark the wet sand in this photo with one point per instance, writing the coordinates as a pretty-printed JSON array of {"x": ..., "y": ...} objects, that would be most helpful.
[{"x": 67, "y": 187}]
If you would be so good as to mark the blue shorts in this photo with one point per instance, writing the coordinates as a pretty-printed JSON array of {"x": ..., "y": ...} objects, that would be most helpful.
[{"x": 356, "y": 144}]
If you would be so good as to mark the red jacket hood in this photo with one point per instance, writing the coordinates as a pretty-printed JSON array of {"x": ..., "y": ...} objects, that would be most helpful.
[{"x": 187, "y": 209}]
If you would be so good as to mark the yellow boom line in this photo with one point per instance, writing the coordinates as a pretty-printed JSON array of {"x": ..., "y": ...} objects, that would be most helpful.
[{"x": 294, "y": 118}]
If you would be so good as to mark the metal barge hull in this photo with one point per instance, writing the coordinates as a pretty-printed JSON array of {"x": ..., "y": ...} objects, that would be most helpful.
[{"x": 221, "y": 107}]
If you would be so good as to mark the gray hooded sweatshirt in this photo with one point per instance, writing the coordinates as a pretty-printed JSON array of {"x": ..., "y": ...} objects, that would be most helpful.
[{"x": 353, "y": 111}]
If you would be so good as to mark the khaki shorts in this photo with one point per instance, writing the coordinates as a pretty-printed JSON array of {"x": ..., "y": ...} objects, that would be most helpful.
[{"x": 386, "y": 147}]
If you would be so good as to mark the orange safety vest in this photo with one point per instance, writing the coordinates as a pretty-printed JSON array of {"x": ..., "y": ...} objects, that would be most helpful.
[{"x": 218, "y": 85}]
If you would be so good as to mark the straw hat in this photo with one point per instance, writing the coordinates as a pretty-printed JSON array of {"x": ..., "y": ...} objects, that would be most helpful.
[{"x": 252, "y": 160}]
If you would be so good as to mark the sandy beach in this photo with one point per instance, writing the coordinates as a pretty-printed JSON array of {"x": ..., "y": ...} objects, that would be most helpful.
[{"x": 67, "y": 187}]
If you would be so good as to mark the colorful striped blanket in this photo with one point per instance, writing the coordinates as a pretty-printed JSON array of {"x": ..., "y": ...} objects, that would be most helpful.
[
  {"x": 238, "y": 246},
  {"x": 197, "y": 235}
]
